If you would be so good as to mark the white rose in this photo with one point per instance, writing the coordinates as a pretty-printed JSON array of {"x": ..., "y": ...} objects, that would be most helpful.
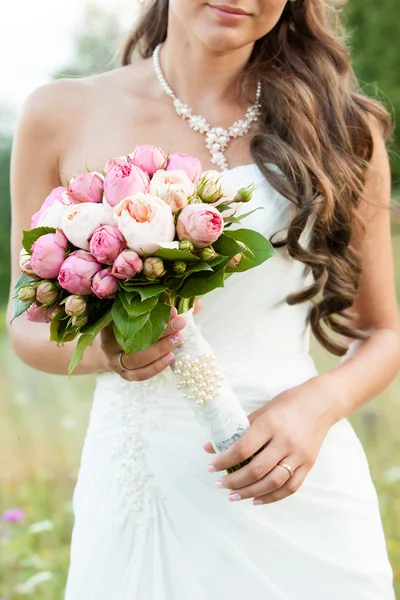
[
  {"x": 145, "y": 221},
  {"x": 52, "y": 216},
  {"x": 164, "y": 182},
  {"x": 80, "y": 220}
]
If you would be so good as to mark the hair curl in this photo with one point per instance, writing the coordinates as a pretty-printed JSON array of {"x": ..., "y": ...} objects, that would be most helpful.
[{"x": 315, "y": 126}]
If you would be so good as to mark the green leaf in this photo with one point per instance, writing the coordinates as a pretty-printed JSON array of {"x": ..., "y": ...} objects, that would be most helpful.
[
  {"x": 240, "y": 217},
  {"x": 147, "y": 291},
  {"x": 175, "y": 282},
  {"x": 87, "y": 337},
  {"x": 151, "y": 330},
  {"x": 134, "y": 306},
  {"x": 259, "y": 247},
  {"x": 84, "y": 341},
  {"x": 56, "y": 325},
  {"x": 226, "y": 245},
  {"x": 124, "y": 324},
  {"x": 175, "y": 254},
  {"x": 19, "y": 307},
  {"x": 200, "y": 284},
  {"x": 222, "y": 207},
  {"x": 32, "y": 235}
]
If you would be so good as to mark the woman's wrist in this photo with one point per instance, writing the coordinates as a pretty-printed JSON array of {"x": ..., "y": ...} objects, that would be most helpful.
[{"x": 327, "y": 399}]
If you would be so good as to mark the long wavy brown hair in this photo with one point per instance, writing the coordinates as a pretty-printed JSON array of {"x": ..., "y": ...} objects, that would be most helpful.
[{"x": 315, "y": 126}]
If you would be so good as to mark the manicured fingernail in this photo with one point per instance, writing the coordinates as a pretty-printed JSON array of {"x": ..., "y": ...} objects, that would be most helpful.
[
  {"x": 219, "y": 485},
  {"x": 169, "y": 357},
  {"x": 179, "y": 323},
  {"x": 255, "y": 502},
  {"x": 211, "y": 469},
  {"x": 174, "y": 339},
  {"x": 234, "y": 497}
]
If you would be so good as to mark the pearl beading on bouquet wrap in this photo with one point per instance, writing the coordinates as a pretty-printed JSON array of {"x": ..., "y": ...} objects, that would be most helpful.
[{"x": 202, "y": 384}]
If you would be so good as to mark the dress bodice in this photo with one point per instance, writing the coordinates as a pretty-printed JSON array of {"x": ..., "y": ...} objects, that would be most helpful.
[{"x": 257, "y": 337}]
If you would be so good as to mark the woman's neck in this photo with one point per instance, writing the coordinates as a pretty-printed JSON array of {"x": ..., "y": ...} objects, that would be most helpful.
[{"x": 200, "y": 77}]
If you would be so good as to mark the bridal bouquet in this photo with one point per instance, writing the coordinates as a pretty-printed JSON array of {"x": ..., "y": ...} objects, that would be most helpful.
[{"x": 123, "y": 246}]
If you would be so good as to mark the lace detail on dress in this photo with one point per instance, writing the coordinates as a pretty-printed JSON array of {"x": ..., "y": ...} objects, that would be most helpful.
[{"x": 133, "y": 406}]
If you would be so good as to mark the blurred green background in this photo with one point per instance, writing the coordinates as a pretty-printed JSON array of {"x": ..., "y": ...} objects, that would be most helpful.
[{"x": 43, "y": 418}]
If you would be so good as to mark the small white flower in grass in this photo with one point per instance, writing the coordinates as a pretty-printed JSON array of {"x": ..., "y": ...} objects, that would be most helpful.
[
  {"x": 392, "y": 474},
  {"x": 41, "y": 526},
  {"x": 28, "y": 587}
]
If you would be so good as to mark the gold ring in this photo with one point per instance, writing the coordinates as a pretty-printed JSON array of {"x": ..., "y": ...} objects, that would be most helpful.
[
  {"x": 287, "y": 467},
  {"x": 120, "y": 363}
]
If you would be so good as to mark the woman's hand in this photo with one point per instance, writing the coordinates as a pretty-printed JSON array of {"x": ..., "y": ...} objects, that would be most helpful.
[
  {"x": 290, "y": 429},
  {"x": 149, "y": 362}
]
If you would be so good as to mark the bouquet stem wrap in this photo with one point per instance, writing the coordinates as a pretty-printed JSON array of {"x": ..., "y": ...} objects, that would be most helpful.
[{"x": 200, "y": 381}]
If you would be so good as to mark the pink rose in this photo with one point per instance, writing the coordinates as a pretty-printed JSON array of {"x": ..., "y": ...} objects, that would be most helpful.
[
  {"x": 183, "y": 162},
  {"x": 104, "y": 284},
  {"x": 201, "y": 224},
  {"x": 54, "y": 196},
  {"x": 38, "y": 314},
  {"x": 148, "y": 158},
  {"x": 127, "y": 264},
  {"x": 124, "y": 180},
  {"x": 114, "y": 161},
  {"x": 48, "y": 254},
  {"x": 86, "y": 187},
  {"x": 77, "y": 272},
  {"x": 106, "y": 243}
]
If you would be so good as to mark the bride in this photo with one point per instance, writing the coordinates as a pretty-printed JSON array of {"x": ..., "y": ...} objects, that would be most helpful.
[{"x": 156, "y": 515}]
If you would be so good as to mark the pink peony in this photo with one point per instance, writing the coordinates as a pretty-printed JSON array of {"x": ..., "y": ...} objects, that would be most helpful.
[
  {"x": 106, "y": 243},
  {"x": 145, "y": 221},
  {"x": 86, "y": 187},
  {"x": 183, "y": 162},
  {"x": 104, "y": 284},
  {"x": 38, "y": 314},
  {"x": 48, "y": 253},
  {"x": 201, "y": 224},
  {"x": 77, "y": 272},
  {"x": 124, "y": 180},
  {"x": 54, "y": 196},
  {"x": 114, "y": 161},
  {"x": 149, "y": 158},
  {"x": 127, "y": 264}
]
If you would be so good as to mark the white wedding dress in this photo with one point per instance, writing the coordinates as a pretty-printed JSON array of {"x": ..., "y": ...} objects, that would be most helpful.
[{"x": 150, "y": 524}]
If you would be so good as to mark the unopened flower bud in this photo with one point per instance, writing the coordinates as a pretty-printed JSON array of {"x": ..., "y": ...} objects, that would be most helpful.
[
  {"x": 153, "y": 267},
  {"x": 25, "y": 265},
  {"x": 46, "y": 292},
  {"x": 179, "y": 266},
  {"x": 210, "y": 190},
  {"x": 27, "y": 293},
  {"x": 186, "y": 245},
  {"x": 75, "y": 306},
  {"x": 235, "y": 260},
  {"x": 208, "y": 253},
  {"x": 79, "y": 320},
  {"x": 245, "y": 194}
]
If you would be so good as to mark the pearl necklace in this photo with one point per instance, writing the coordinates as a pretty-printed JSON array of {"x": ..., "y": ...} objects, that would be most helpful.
[{"x": 217, "y": 138}]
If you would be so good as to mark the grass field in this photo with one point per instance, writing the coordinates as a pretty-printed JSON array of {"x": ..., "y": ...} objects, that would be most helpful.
[{"x": 42, "y": 424}]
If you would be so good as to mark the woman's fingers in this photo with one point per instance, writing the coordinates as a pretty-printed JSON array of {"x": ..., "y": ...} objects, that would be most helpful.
[
  {"x": 150, "y": 370},
  {"x": 287, "y": 489},
  {"x": 208, "y": 447},
  {"x": 258, "y": 469},
  {"x": 149, "y": 357},
  {"x": 251, "y": 441},
  {"x": 276, "y": 478}
]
